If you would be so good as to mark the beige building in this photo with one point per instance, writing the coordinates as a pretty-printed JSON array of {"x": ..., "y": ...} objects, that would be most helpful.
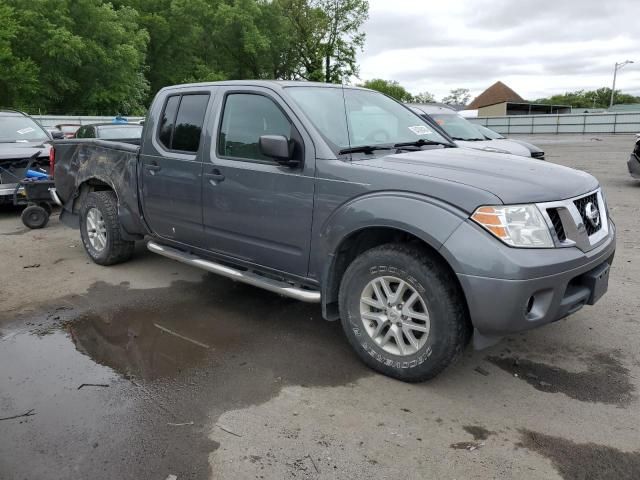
[{"x": 499, "y": 100}]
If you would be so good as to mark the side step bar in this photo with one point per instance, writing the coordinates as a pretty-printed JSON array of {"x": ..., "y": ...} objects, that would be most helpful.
[{"x": 265, "y": 283}]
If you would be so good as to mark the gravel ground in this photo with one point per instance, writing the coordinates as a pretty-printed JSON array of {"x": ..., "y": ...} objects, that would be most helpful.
[{"x": 152, "y": 368}]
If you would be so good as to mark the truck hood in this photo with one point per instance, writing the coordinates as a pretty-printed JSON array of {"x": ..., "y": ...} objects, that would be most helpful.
[
  {"x": 21, "y": 150},
  {"x": 511, "y": 178},
  {"x": 496, "y": 146}
]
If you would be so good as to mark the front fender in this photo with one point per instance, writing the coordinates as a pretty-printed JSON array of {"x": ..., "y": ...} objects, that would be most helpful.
[{"x": 428, "y": 219}]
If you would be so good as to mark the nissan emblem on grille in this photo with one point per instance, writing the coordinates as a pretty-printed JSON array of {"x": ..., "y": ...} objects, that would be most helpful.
[{"x": 592, "y": 213}]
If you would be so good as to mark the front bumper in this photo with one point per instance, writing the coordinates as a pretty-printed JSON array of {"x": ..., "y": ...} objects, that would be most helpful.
[
  {"x": 634, "y": 166},
  {"x": 542, "y": 287}
]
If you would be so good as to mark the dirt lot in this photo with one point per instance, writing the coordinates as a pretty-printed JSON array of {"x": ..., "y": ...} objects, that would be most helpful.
[{"x": 152, "y": 369}]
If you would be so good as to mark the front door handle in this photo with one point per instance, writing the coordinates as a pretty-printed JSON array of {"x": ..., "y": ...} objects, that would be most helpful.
[{"x": 214, "y": 177}]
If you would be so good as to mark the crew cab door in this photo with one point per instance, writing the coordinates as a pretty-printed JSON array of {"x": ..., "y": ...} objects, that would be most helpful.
[
  {"x": 253, "y": 208},
  {"x": 171, "y": 168}
]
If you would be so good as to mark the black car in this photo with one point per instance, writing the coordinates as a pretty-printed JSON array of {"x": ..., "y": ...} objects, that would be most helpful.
[
  {"x": 21, "y": 138},
  {"x": 634, "y": 160},
  {"x": 123, "y": 132}
]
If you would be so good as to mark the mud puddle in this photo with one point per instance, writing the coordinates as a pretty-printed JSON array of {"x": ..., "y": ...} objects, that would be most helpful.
[
  {"x": 604, "y": 380},
  {"x": 579, "y": 461},
  {"x": 172, "y": 359}
]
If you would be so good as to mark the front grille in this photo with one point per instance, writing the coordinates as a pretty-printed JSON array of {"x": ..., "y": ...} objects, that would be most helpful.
[
  {"x": 557, "y": 223},
  {"x": 581, "y": 205}
]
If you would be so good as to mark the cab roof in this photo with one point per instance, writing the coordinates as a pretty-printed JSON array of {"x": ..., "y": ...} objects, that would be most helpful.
[{"x": 261, "y": 83}]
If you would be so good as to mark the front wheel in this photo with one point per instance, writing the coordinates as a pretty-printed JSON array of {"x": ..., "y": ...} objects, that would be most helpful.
[
  {"x": 403, "y": 312},
  {"x": 100, "y": 230}
]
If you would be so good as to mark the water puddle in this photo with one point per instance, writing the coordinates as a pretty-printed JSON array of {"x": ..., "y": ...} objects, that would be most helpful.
[
  {"x": 157, "y": 367},
  {"x": 605, "y": 379},
  {"x": 577, "y": 461}
]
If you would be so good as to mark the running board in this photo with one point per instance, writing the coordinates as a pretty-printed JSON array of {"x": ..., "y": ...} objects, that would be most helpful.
[{"x": 265, "y": 283}]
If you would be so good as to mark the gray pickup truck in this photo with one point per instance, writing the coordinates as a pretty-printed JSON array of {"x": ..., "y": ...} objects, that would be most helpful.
[{"x": 344, "y": 197}]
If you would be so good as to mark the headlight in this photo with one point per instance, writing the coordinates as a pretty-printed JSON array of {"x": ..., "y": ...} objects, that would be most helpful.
[{"x": 515, "y": 225}]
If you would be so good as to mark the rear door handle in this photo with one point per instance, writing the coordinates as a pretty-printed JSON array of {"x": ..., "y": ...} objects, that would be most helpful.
[
  {"x": 214, "y": 177},
  {"x": 152, "y": 168}
]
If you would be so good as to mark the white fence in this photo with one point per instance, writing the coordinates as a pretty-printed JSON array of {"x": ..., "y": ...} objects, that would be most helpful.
[
  {"x": 627, "y": 122},
  {"x": 51, "y": 120}
]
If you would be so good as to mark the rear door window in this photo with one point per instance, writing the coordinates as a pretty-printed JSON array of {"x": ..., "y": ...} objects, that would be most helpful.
[
  {"x": 181, "y": 122},
  {"x": 168, "y": 121},
  {"x": 188, "y": 128}
]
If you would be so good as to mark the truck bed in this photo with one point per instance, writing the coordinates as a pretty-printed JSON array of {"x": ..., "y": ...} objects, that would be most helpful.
[{"x": 83, "y": 162}]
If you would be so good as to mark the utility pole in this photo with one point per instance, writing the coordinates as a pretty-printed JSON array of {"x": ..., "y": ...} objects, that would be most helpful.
[{"x": 617, "y": 67}]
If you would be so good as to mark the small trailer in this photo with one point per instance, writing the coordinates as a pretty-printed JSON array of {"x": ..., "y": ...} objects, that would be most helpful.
[{"x": 34, "y": 191}]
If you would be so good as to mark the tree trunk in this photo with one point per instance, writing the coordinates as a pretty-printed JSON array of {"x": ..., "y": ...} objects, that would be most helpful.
[{"x": 327, "y": 74}]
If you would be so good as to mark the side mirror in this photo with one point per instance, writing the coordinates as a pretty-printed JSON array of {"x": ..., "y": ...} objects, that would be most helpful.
[
  {"x": 277, "y": 147},
  {"x": 57, "y": 135}
]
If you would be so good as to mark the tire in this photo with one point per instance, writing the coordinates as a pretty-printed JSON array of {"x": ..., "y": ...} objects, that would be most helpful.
[
  {"x": 437, "y": 318},
  {"x": 100, "y": 230},
  {"x": 47, "y": 207},
  {"x": 34, "y": 216}
]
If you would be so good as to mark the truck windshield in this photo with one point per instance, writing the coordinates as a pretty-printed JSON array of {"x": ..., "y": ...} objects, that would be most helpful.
[
  {"x": 458, "y": 127},
  {"x": 361, "y": 118},
  {"x": 18, "y": 128}
]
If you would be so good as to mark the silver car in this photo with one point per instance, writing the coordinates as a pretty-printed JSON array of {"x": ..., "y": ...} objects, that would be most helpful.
[{"x": 467, "y": 134}]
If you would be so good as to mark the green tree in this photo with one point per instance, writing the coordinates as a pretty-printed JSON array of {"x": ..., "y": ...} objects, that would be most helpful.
[
  {"x": 282, "y": 60},
  {"x": 457, "y": 96},
  {"x": 99, "y": 56},
  {"x": 18, "y": 76},
  {"x": 88, "y": 56},
  {"x": 180, "y": 41},
  {"x": 389, "y": 87},
  {"x": 328, "y": 37},
  {"x": 599, "y": 98},
  {"x": 424, "y": 97}
]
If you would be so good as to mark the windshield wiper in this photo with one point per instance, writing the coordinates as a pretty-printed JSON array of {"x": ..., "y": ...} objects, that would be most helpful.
[
  {"x": 365, "y": 149},
  {"x": 469, "y": 139},
  {"x": 422, "y": 142}
]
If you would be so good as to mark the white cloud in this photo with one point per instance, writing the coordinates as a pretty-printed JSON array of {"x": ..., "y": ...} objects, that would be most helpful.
[{"x": 537, "y": 47}]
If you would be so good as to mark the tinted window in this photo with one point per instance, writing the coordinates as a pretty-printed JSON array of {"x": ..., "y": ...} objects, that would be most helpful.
[
  {"x": 82, "y": 132},
  {"x": 186, "y": 136},
  {"x": 167, "y": 120},
  {"x": 245, "y": 119}
]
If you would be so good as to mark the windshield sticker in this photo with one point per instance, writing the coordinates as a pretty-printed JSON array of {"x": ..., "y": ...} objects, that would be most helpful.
[
  {"x": 420, "y": 130},
  {"x": 25, "y": 130}
]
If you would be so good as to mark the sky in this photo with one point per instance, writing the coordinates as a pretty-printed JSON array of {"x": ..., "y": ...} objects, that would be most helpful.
[{"x": 537, "y": 47}]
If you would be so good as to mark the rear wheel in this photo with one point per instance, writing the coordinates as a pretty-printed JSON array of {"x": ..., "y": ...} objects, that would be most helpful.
[
  {"x": 100, "y": 230},
  {"x": 403, "y": 312}
]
